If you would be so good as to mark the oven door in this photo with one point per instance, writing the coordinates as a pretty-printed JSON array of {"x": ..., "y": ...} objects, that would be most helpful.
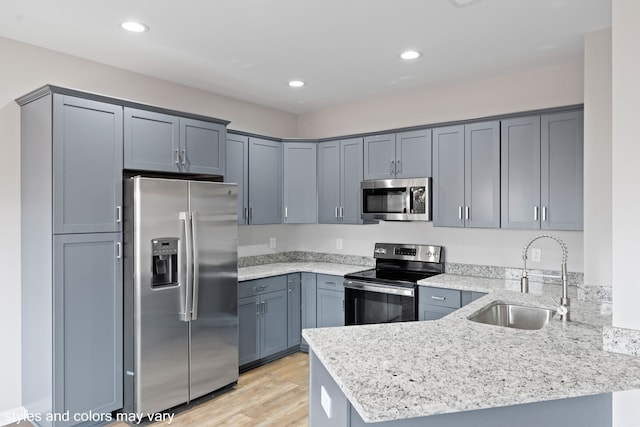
[{"x": 367, "y": 303}]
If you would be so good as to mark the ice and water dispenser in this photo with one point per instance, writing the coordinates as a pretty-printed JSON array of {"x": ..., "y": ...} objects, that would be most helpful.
[{"x": 165, "y": 261}]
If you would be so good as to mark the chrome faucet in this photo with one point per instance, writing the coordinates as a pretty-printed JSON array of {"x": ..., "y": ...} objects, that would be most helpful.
[{"x": 563, "y": 309}]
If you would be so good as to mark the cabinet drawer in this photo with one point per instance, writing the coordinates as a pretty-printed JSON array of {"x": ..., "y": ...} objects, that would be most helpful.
[
  {"x": 433, "y": 312},
  {"x": 439, "y": 297},
  {"x": 262, "y": 286},
  {"x": 334, "y": 283}
]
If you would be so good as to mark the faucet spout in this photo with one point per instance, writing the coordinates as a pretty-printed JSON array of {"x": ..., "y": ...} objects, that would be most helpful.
[{"x": 563, "y": 309}]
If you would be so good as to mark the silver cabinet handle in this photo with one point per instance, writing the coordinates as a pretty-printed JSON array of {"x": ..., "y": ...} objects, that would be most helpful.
[
  {"x": 257, "y": 309},
  {"x": 184, "y": 157},
  {"x": 398, "y": 166},
  {"x": 245, "y": 213},
  {"x": 336, "y": 212},
  {"x": 118, "y": 214},
  {"x": 535, "y": 213},
  {"x": 544, "y": 214},
  {"x": 466, "y": 212},
  {"x": 177, "y": 157},
  {"x": 459, "y": 212},
  {"x": 286, "y": 212},
  {"x": 438, "y": 298},
  {"x": 341, "y": 211},
  {"x": 392, "y": 168},
  {"x": 290, "y": 290},
  {"x": 119, "y": 250}
]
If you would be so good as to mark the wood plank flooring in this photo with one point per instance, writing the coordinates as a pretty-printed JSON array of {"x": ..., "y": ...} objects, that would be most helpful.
[{"x": 272, "y": 395}]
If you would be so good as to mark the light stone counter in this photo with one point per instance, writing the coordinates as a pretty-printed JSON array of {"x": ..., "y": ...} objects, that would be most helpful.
[
  {"x": 416, "y": 369},
  {"x": 278, "y": 268}
]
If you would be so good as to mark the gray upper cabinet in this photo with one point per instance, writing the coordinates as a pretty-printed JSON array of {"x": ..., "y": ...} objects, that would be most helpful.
[
  {"x": 448, "y": 176},
  {"x": 87, "y": 292},
  {"x": 87, "y": 166},
  {"x": 466, "y": 175},
  {"x": 562, "y": 154},
  {"x": 340, "y": 171},
  {"x": 165, "y": 143},
  {"x": 293, "y": 310},
  {"x": 401, "y": 155},
  {"x": 542, "y": 172},
  {"x": 265, "y": 181},
  {"x": 300, "y": 183},
  {"x": 237, "y": 171},
  {"x": 521, "y": 173}
]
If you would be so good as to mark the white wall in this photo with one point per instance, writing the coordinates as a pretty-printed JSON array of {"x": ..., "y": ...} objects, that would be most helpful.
[
  {"x": 25, "y": 68},
  {"x": 597, "y": 157},
  {"x": 552, "y": 86}
]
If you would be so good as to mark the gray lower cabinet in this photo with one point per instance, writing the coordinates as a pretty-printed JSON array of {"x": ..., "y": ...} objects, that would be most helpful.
[
  {"x": 294, "y": 313},
  {"x": 330, "y": 301},
  {"x": 165, "y": 143},
  {"x": 262, "y": 318},
  {"x": 466, "y": 175},
  {"x": 542, "y": 172},
  {"x": 340, "y": 171},
  {"x": 87, "y": 330},
  {"x": 401, "y": 155},
  {"x": 300, "y": 183},
  {"x": 87, "y": 164},
  {"x": 237, "y": 171},
  {"x": 435, "y": 303},
  {"x": 308, "y": 294},
  {"x": 265, "y": 181}
]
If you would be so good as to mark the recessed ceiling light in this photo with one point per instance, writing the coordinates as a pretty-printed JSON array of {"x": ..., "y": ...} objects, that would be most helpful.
[
  {"x": 134, "y": 27},
  {"x": 410, "y": 54},
  {"x": 296, "y": 83}
]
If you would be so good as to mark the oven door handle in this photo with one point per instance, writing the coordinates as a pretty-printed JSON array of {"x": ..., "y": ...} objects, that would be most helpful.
[{"x": 379, "y": 288}]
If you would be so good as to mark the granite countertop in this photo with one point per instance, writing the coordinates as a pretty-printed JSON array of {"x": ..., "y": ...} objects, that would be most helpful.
[
  {"x": 278, "y": 268},
  {"x": 415, "y": 369}
]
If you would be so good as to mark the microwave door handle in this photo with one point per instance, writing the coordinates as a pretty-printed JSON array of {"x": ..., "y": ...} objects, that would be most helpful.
[
  {"x": 398, "y": 167},
  {"x": 392, "y": 168},
  {"x": 196, "y": 269}
]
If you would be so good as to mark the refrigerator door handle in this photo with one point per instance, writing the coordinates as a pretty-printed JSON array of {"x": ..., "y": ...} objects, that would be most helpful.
[
  {"x": 196, "y": 269},
  {"x": 187, "y": 266}
]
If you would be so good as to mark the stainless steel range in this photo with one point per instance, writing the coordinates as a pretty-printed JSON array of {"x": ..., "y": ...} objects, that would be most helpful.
[{"x": 388, "y": 293}]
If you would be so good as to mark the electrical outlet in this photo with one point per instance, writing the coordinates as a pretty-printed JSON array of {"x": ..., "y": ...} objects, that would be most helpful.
[
  {"x": 536, "y": 254},
  {"x": 338, "y": 243},
  {"x": 272, "y": 243}
]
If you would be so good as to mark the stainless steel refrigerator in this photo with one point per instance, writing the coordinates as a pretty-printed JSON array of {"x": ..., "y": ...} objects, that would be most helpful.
[{"x": 181, "y": 275}]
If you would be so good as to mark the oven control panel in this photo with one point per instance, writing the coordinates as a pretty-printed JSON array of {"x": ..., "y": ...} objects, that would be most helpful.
[{"x": 409, "y": 252}]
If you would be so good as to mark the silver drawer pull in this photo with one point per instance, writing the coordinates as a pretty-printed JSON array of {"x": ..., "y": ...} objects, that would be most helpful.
[{"x": 438, "y": 298}]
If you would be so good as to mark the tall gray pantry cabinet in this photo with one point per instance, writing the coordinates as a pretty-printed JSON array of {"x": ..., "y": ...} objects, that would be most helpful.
[{"x": 71, "y": 175}]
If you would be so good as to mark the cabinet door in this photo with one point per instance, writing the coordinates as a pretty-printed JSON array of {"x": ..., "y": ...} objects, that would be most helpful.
[
  {"x": 351, "y": 173},
  {"x": 562, "y": 171},
  {"x": 520, "y": 178},
  {"x": 329, "y": 181},
  {"x": 293, "y": 310},
  {"x": 87, "y": 166},
  {"x": 202, "y": 147},
  {"x": 237, "y": 170},
  {"x": 448, "y": 176},
  {"x": 248, "y": 319},
  {"x": 413, "y": 154},
  {"x": 308, "y": 291},
  {"x": 300, "y": 183},
  {"x": 265, "y": 181},
  {"x": 273, "y": 327},
  {"x": 380, "y": 156},
  {"x": 151, "y": 141},
  {"x": 87, "y": 292},
  {"x": 482, "y": 175},
  {"x": 330, "y": 308}
]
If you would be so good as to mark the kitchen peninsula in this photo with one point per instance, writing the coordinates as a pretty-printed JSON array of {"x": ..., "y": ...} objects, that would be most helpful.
[{"x": 456, "y": 372}]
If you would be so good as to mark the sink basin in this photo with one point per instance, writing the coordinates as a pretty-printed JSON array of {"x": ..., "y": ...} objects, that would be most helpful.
[{"x": 513, "y": 316}]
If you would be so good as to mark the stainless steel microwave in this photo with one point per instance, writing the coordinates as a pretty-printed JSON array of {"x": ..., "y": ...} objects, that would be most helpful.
[{"x": 396, "y": 199}]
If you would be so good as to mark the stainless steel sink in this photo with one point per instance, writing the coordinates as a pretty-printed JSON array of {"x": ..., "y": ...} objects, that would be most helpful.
[{"x": 513, "y": 316}]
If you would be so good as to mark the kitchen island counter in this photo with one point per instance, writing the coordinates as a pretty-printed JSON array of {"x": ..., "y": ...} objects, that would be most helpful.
[{"x": 410, "y": 370}]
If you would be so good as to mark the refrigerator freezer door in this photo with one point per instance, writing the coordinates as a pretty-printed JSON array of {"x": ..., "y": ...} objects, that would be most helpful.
[
  {"x": 214, "y": 328},
  {"x": 161, "y": 334}
]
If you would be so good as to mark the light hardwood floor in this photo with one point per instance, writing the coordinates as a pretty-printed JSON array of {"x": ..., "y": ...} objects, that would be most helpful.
[{"x": 272, "y": 395}]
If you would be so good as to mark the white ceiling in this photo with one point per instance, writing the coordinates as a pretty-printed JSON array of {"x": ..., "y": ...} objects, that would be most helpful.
[{"x": 346, "y": 50}]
